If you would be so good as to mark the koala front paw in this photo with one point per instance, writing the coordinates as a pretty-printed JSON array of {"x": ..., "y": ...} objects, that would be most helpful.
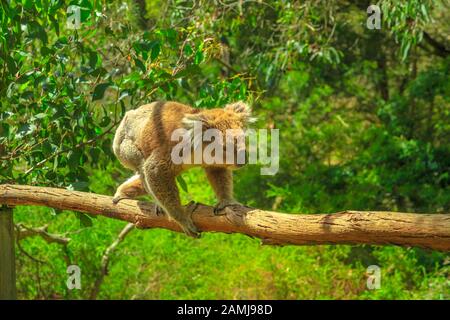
[
  {"x": 117, "y": 198},
  {"x": 187, "y": 224},
  {"x": 190, "y": 229},
  {"x": 223, "y": 204}
]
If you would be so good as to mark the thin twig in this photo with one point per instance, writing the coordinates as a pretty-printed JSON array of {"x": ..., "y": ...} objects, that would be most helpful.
[
  {"x": 106, "y": 258},
  {"x": 25, "y": 232}
]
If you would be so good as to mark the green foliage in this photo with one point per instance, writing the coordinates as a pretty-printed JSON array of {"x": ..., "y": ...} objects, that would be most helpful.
[{"x": 364, "y": 119}]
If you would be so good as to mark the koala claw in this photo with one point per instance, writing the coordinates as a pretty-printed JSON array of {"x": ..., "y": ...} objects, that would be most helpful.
[
  {"x": 223, "y": 204},
  {"x": 191, "y": 230},
  {"x": 192, "y": 206},
  {"x": 158, "y": 210},
  {"x": 116, "y": 199},
  {"x": 188, "y": 225}
]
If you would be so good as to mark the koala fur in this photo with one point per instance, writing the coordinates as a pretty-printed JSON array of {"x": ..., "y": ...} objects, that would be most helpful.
[{"x": 143, "y": 143}]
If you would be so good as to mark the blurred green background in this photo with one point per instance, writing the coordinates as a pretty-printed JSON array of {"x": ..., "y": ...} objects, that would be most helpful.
[{"x": 364, "y": 119}]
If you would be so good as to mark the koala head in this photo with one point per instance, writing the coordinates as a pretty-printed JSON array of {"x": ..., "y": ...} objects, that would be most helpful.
[{"x": 223, "y": 127}]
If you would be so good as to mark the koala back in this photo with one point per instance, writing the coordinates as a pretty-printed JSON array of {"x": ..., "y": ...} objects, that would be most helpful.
[
  {"x": 147, "y": 130},
  {"x": 124, "y": 146}
]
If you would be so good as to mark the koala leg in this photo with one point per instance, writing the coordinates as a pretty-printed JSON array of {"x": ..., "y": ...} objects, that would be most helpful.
[
  {"x": 129, "y": 189},
  {"x": 221, "y": 180},
  {"x": 161, "y": 184}
]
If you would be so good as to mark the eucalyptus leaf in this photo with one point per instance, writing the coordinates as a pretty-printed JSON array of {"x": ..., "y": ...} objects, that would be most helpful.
[{"x": 99, "y": 91}]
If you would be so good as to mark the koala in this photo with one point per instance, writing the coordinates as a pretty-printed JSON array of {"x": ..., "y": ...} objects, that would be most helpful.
[{"x": 143, "y": 143}]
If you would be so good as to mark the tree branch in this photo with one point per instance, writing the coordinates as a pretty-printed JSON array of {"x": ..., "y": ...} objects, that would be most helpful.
[
  {"x": 25, "y": 232},
  {"x": 439, "y": 48},
  {"x": 348, "y": 227}
]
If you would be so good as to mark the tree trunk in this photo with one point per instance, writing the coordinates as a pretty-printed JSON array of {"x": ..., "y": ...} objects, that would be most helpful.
[
  {"x": 7, "y": 255},
  {"x": 348, "y": 227}
]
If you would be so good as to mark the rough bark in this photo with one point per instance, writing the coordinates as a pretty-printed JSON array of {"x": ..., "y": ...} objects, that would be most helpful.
[{"x": 348, "y": 227}]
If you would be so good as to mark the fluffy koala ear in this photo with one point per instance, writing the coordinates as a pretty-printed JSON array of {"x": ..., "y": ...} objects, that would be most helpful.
[
  {"x": 242, "y": 109},
  {"x": 190, "y": 119},
  {"x": 239, "y": 107}
]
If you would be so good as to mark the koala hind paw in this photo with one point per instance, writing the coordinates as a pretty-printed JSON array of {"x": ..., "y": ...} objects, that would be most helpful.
[
  {"x": 223, "y": 204},
  {"x": 190, "y": 229},
  {"x": 159, "y": 210}
]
